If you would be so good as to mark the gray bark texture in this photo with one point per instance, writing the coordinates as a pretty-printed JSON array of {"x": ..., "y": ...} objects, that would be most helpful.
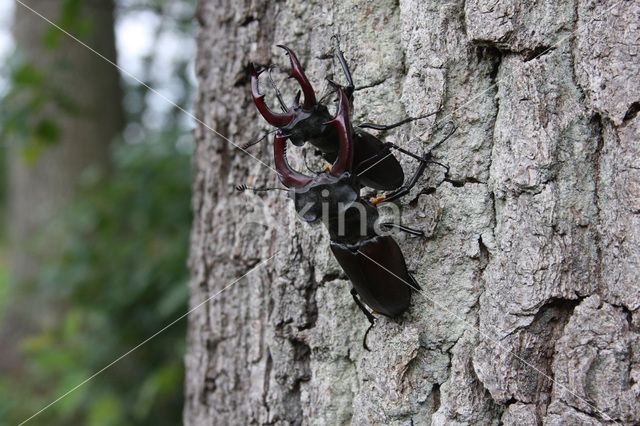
[{"x": 529, "y": 312}]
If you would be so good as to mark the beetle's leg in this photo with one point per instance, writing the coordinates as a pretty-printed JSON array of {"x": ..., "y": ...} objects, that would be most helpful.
[
  {"x": 275, "y": 88},
  {"x": 349, "y": 88},
  {"x": 372, "y": 161},
  {"x": 404, "y": 151},
  {"x": 404, "y": 190},
  {"x": 425, "y": 158},
  {"x": 394, "y": 125},
  {"x": 364, "y": 339},
  {"x": 363, "y": 308},
  {"x": 403, "y": 228},
  {"x": 298, "y": 73},
  {"x": 444, "y": 166},
  {"x": 368, "y": 314},
  {"x": 288, "y": 176}
]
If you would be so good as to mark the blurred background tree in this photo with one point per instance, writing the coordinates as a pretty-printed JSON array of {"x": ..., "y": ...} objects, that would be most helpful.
[{"x": 96, "y": 205}]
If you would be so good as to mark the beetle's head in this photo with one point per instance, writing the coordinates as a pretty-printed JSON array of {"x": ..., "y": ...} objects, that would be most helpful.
[
  {"x": 326, "y": 197},
  {"x": 337, "y": 176}
]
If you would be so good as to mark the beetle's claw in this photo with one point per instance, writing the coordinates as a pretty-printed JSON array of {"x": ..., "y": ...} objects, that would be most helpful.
[
  {"x": 277, "y": 120},
  {"x": 255, "y": 72},
  {"x": 343, "y": 126},
  {"x": 298, "y": 73}
]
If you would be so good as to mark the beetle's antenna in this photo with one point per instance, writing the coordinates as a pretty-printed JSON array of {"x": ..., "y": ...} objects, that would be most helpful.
[
  {"x": 242, "y": 188},
  {"x": 250, "y": 144}
]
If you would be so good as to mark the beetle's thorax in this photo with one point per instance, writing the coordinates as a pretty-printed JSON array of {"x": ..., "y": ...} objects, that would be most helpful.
[{"x": 337, "y": 203}]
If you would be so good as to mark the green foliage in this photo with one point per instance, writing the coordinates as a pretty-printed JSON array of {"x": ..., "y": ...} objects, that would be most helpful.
[
  {"x": 72, "y": 20},
  {"x": 121, "y": 273},
  {"x": 25, "y": 110}
]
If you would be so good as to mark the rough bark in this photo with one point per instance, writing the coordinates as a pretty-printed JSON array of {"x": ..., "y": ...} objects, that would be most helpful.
[{"x": 529, "y": 311}]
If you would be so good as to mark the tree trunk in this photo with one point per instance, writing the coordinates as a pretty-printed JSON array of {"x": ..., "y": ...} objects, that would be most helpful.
[
  {"x": 40, "y": 189},
  {"x": 529, "y": 309}
]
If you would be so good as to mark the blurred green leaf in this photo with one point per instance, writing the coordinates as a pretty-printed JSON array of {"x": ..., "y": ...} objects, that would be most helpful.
[
  {"x": 47, "y": 131},
  {"x": 106, "y": 411},
  {"x": 36, "y": 343},
  {"x": 122, "y": 259},
  {"x": 31, "y": 151},
  {"x": 160, "y": 384},
  {"x": 71, "y": 20},
  {"x": 26, "y": 75}
]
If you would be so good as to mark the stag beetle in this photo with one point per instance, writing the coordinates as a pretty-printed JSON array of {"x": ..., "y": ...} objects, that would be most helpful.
[
  {"x": 374, "y": 263},
  {"x": 307, "y": 122}
]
